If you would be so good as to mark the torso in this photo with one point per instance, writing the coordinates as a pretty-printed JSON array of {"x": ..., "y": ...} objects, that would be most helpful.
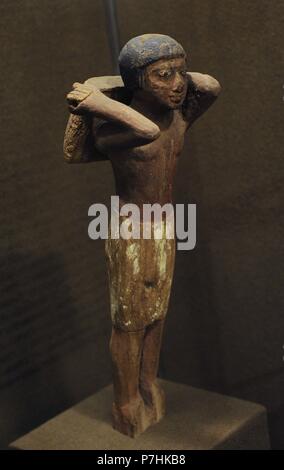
[{"x": 145, "y": 174}]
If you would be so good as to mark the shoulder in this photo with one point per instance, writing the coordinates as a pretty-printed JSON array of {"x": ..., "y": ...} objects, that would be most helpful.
[{"x": 203, "y": 90}]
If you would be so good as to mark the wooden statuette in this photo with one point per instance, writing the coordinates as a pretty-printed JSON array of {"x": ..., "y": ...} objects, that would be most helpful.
[{"x": 138, "y": 122}]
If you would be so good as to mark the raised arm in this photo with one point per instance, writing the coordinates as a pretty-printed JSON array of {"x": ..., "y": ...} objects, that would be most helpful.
[
  {"x": 203, "y": 90},
  {"x": 122, "y": 127}
]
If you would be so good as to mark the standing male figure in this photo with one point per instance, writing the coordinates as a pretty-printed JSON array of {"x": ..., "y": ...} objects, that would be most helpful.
[{"x": 143, "y": 140}]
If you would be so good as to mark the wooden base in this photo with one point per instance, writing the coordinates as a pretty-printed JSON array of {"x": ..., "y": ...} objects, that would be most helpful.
[{"x": 195, "y": 419}]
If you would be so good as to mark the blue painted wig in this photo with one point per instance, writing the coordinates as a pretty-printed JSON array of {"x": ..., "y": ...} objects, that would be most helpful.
[{"x": 142, "y": 51}]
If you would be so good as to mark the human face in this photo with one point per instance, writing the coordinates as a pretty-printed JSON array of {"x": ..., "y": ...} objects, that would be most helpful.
[{"x": 166, "y": 81}]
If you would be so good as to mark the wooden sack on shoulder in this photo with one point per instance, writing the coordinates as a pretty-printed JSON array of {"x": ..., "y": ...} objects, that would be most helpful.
[{"x": 79, "y": 139}]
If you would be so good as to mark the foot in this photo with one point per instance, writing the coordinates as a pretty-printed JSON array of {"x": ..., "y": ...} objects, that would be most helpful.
[
  {"x": 154, "y": 398},
  {"x": 132, "y": 418}
]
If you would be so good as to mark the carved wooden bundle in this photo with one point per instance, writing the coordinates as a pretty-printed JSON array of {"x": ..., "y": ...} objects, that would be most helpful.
[{"x": 79, "y": 140}]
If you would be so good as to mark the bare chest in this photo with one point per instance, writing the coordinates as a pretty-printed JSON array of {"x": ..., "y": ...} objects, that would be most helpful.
[
  {"x": 146, "y": 173},
  {"x": 168, "y": 146}
]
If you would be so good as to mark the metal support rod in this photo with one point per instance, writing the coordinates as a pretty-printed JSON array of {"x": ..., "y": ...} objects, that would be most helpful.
[{"x": 112, "y": 32}]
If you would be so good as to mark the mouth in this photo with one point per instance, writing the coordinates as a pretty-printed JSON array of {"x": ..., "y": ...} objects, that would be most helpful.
[{"x": 177, "y": 98}]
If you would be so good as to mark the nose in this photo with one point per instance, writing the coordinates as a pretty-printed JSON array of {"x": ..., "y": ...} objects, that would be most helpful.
[{"x": 178, "y": 85}]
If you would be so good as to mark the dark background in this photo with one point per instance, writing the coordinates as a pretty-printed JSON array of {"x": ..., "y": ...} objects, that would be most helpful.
[{"x": 225, "y": 327}]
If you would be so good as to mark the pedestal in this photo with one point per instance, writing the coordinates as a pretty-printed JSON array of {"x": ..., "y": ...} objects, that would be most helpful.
[{"x": 195, "y": 419}]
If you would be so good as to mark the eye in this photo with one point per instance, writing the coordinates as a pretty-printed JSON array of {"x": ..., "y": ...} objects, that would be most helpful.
[
  {"x": 183, "y": 73},
  {"x": 165, "y": 73}
]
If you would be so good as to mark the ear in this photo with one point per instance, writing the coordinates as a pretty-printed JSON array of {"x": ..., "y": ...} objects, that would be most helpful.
[{"x": 141, "y": 78}]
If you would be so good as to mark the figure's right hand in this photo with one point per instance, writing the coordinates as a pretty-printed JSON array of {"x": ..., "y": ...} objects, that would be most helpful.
[{"x": 77, "y": 96}]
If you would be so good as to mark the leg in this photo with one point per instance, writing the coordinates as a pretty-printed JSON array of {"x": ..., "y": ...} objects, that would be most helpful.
[
  {"x": 129, "y": 412},
  {"x": 150, "y": 390}
]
